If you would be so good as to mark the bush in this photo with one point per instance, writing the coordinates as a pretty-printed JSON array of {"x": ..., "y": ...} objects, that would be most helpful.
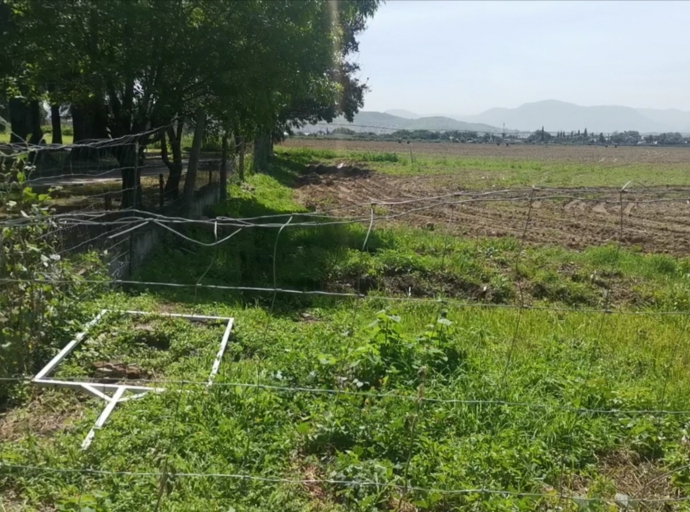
[
  {"x": 392, "y": 357},
  {"x": 35, "y": 317}
]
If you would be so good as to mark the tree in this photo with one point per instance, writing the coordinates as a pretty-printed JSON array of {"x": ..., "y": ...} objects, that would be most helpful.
[
  {"x": 602, "y": 140},
  {"x": 129, "y": 66},
  {"x": 328, "y": 85}
]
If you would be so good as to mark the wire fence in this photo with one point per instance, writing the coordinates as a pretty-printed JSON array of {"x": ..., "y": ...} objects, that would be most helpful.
[{"x": 114, "y": 231}]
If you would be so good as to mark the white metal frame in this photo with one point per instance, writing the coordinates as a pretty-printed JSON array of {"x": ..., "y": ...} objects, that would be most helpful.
[{"x": 99, "y": 390}]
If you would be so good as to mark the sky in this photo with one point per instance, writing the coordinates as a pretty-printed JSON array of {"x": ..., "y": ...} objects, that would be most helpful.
[{"x": 461, "y": 58}]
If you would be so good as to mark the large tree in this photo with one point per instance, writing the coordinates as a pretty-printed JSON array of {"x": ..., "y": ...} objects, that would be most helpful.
[{"x": 129, "y": 66}]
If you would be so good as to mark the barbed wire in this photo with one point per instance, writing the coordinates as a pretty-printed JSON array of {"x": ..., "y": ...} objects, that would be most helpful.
[
  {"x": 122, "y": 225},
  {"x": 352, "y": 295},
  {"x": 203, "y": 386},
  {"x": 134, "y": 215},
  {"x": 360, "y": 483},
  {"x": 24, "y": 148}
]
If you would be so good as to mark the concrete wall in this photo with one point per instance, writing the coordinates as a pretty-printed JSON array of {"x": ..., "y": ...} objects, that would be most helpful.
[{"x": 144, "y": 240}]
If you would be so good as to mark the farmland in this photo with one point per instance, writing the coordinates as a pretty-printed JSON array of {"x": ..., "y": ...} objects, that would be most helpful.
[
  {"x": 525, "y": 352},
  {"x": 584, "y": 180}
]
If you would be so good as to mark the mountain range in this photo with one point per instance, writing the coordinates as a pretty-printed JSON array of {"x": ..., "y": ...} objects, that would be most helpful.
[
  {"x": 556, "y": 115},
  {"x": 380, "y": 122}
]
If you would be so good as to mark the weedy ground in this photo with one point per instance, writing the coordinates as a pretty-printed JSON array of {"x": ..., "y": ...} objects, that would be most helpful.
[
  {"x": 485, "y": 165},
  {"x": 537, "y": 401}
]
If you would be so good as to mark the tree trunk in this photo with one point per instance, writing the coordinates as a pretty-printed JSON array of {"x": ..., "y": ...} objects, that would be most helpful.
[
  {"x": 239, "y": 144},
  {"x": 172, "y": 185},
  {"x": 55, "y": 121},
  {"x": 35, "y": 122},
  {"x": 19, "y": 120},
  {"x": 262, "y": 151},
  {"x": 128, "y": 159},
  {"x": 89, "y": 123},
  {"x": 25, "y": 121},
  {"x": 192, "y": 166},
  {"x": 224, "y": 170}
]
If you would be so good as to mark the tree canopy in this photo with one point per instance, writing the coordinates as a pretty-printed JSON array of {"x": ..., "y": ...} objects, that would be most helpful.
[{"x": 128, "y": 66}]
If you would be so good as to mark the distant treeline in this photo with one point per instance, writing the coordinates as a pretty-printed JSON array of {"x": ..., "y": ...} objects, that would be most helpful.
[
  {"x": 537, "y": 137},
  {"x": 628, "y": 137},
  {"x": 416, "y": 135}
]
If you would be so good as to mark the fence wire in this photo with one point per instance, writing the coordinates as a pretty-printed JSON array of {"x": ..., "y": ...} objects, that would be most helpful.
[{"x": 113, "y": 232}]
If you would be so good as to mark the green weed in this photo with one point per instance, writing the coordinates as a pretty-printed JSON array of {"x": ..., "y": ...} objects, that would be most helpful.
[{"x": 528, "y": 400}]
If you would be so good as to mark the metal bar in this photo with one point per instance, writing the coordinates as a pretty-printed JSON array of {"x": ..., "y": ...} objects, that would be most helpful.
[
  {"x": 139, "y": 395},
  {"x": 95, "y": 392},
  {"x": 103, "y": 417},
  {"x": 99, "y": 386},
  {"x": 178, "y": 315},
  {"x": 221, "y": 351},
  {"x": 161, "y": 191},
  {"x": 69, "y": 347}
]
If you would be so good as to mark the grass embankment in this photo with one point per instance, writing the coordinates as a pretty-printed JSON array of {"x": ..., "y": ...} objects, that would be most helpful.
[
  {"x": 505, "y": 171},
  {"x": 562, "y": 361}
]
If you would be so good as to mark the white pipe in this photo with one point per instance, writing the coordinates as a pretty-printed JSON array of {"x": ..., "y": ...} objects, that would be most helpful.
[
  {"x": 103, "y": 417},
  {"x": 178, "y": 315},
  {"x": 221, "y": 351},
  {"x": 139, "y": 395},
  {"x": 95, "y": 392},
  {"x": 69, "y": 347},
  {"x": 95, "y": 385}
]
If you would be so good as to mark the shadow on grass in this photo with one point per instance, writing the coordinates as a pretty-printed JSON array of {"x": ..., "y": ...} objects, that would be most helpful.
[
  {"x": 306, "y": 257},
  {"x": 286, "y": 170}
]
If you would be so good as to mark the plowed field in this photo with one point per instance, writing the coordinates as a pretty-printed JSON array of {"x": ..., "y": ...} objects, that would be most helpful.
[{"x": 654, "y": 219}]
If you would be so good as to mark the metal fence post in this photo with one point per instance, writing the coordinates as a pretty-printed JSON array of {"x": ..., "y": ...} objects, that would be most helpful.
[
  {"x": 161, "y": 190},
  {"x": 136, "y": 175}
]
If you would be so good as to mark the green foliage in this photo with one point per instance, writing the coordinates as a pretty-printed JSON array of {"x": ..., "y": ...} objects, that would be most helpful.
[
  {"x": 36, "y": 317},
  {"x": 477, "y": 366}
]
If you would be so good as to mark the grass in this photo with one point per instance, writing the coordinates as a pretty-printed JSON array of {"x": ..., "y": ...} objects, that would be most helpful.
[
  {"x": 503, "y": 172},
  {"x": 5, "y": 138},
  {"x": 472, "y": 349}
]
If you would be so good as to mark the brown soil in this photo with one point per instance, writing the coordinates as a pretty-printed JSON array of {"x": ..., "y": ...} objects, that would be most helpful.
[
  {"x": 43, "y": 416},
  {"x": 577, "y": 218},
  {"x": 630, "y": 477},
  {"x": 599, "y": 155}
]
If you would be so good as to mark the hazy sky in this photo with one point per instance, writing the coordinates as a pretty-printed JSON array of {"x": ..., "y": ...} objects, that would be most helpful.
[{"x": 457, "y": 57}]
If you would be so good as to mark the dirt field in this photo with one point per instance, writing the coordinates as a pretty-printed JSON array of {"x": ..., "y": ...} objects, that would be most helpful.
[
  {"x": 654, "y": 219},
  {"x": 599, "y": 155}
]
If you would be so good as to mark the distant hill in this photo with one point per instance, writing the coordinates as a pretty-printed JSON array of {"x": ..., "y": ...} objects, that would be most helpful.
[
  {"x": 379, "y": 122},
  {"x": 556, "y": 115},
  {"x": 399, "y": 112},
  {"x": 676, "y": 120}
]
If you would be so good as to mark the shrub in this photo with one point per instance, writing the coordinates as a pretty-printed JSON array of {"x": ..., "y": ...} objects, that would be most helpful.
[
  {"x": 35, "y": 317},
  {"x": 390, "y": 357}
]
